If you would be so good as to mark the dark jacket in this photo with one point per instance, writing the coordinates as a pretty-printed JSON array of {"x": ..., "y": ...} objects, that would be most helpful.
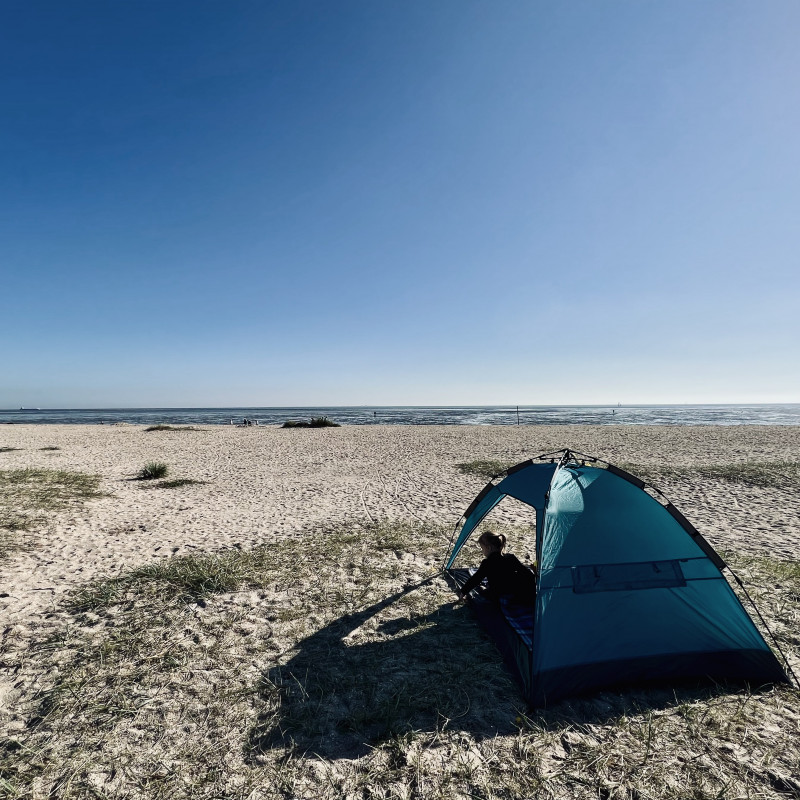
[{"x": 506, "y": 576}]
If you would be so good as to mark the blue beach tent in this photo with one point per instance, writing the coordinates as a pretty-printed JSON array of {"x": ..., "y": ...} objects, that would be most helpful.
[{"x": 628, "y": 591}]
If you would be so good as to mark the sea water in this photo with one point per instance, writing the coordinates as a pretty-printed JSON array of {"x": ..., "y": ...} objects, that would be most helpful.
[{"x": 424, "y": 415}]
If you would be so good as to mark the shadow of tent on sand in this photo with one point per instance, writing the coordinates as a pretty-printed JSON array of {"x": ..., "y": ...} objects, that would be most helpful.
[{"x": 427, "y": 672}]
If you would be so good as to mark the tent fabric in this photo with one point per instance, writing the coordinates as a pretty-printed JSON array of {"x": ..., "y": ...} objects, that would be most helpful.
[
  {"x": 491, "y": 497},
  {"x": 627, "y": 591},
  {"x": 528, "y": 485}
]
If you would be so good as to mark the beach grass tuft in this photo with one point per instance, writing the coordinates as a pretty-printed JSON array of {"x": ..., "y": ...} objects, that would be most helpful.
[
  {"x": 9, "y": 449},
  {"x": 161, "y": 427},
  {"x": 50, "y": 447},
  {"x": 314, "y": 422},
  {"x": 323, "y": 422},
  {"x": 335, "y": 664},
  {"x": 152, "y": 470}
]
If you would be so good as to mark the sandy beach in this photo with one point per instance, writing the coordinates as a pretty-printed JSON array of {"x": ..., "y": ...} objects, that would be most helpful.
[{"x": 267, "y": 485}]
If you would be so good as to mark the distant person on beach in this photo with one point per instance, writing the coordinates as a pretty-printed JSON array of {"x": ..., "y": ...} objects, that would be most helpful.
[{"x": 506, "y": 576}]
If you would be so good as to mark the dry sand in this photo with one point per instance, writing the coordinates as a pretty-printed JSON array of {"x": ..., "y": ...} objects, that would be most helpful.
[{"x": 262, "y": 484}]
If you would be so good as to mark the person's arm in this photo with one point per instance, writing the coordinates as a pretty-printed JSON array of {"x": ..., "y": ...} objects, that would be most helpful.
[{"x": 473, "y": 581}]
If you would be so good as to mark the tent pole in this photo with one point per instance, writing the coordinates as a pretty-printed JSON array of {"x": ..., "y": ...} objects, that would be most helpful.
[{"x": 450, "y": 546}]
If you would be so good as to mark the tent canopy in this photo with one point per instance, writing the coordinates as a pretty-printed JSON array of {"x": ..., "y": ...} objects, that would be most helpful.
[{"x": 627, "y": 590}]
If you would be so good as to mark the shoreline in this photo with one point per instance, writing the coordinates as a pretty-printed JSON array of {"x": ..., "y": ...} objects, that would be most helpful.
[{"x": 594, "y": 414}]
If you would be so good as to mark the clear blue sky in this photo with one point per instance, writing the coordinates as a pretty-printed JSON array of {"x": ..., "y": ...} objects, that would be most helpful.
[{"x": 378, "y": 202}]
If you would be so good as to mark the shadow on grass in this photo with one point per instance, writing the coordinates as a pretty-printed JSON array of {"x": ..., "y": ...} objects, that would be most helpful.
[
  {"x": 340, "y": 696},
  {"x": 346, "y": 690},
  {"x": 690, "y": 698}
]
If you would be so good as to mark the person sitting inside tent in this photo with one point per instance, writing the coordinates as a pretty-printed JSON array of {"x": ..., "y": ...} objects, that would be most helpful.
[{"x": 506, "y": 576}]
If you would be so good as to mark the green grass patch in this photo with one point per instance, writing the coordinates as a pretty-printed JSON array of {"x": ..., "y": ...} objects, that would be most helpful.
[
  {"x": 314, "y": 422},
  {"x": 487, "y": 469},
  {"x": 192, "y": 577},
  {"x": 183, "y": 578},
  {"x": 774, "y": 585},
  {"x": 326, "y": 666},
  {"x": 27, "y": 496},
  {"x": 152, "y": 470}
]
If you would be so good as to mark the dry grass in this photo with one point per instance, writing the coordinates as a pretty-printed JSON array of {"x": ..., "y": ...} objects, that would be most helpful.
[
  {"x": 774, "y": 586},
  {"x": 171, "y": 428},
  {"x": 29, "y": 496},
  {"x": 762, "y": 474},
  {"x": 328, "y": 667}
]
